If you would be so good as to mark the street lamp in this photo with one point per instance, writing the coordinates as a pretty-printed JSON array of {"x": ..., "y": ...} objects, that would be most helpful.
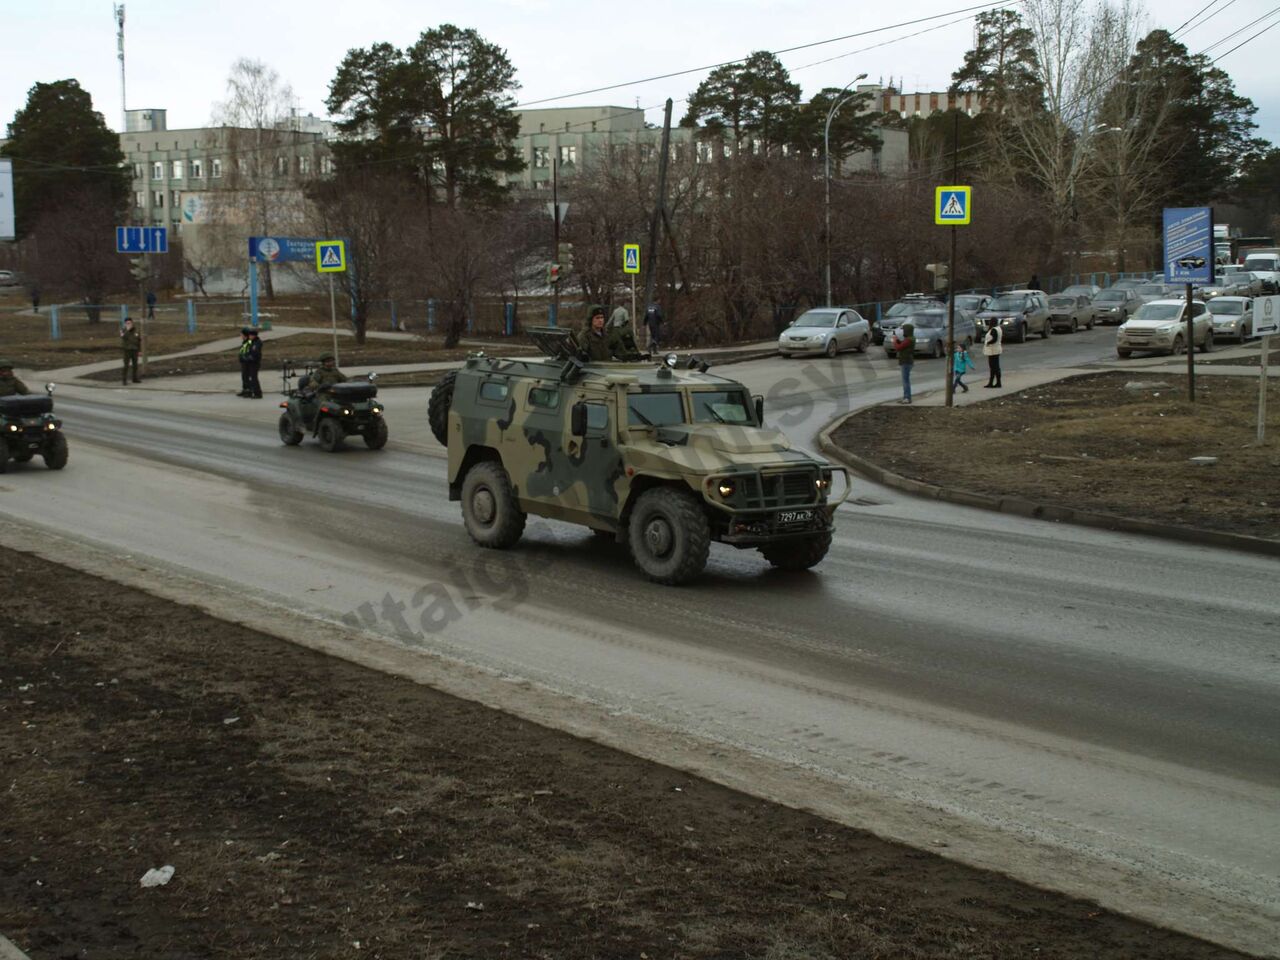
[{"x": 840, "y": 99}]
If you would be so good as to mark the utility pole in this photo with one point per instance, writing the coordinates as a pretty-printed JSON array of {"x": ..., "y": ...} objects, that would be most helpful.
[
  {"x": 951, "y": 269},
  {"x": 659, "y": 210},
  {"x": 555, "y": 239},
  {"x": 118, "y": 10}
]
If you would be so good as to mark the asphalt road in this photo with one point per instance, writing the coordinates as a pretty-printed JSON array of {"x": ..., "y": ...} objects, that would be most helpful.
[{"x": 1091, "y": 711}]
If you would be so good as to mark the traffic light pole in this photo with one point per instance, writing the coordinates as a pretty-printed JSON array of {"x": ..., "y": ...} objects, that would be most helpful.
[
  {"x": 951, "y": 271},
  {"x": 555, "y": 238}
]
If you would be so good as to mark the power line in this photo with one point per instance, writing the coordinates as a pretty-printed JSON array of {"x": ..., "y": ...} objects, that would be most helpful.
[{"x": 1243, "y": 42}]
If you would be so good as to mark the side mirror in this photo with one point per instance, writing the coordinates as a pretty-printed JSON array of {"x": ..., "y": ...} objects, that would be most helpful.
[
  {"x": 578, "y": 419},
  {"x": 372, "y": 377},
  {"x": 759, "y": 400},
  {"x": 50, "y": 387}
]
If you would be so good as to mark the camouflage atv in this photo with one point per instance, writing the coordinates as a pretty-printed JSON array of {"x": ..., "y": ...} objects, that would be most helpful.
[
  {"x": 662, "y": 459},
  {"x": 344, "y": 410},
  {"x": 28, "y": 427}
]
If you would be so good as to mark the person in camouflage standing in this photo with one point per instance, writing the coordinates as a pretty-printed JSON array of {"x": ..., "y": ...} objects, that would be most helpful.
[
  {"x": 130, "y": 347},
  {"x": 594, "y": 340},
  {"x": 9, "y": 384}
]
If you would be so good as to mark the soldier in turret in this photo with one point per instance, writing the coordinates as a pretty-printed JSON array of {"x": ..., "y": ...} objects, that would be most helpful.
[{"x": 594, "y": 340}]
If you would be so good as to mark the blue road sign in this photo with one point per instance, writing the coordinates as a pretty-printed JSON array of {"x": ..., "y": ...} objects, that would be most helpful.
[
  {"x": 283, "y": 249},
  {"x": 1188, "y": 245},
  {"x": 142, "y": 240},
  {"x": 951, "y": 206}
]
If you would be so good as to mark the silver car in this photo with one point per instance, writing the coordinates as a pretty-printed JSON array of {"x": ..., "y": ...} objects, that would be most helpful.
[
  {"x": 827, "y": 330},
  {"x": 1070, "y": 313},
  {"x": 1115, "y": 305},
  {"x": 1019, "y": 313},
  {"x": 1161, "y": 327},
  {"x": 929, "y": 329},
  {"x": 1232, "y": 317}
]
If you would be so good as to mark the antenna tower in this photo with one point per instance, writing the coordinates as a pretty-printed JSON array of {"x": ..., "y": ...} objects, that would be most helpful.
[{"x": 118, "y": 10}]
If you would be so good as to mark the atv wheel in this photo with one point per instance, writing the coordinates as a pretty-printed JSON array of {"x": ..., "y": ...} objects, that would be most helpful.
[
  {"x": 797, "y": 554},
  {"x": 329, "y": 434},
  {"x": 438, "y": 407},
  {"x": 489, "y": 509},
  {"x": 375, "y": 437},
  {"x": 55, "y": 452},
  {"x": 290, "y": 435},
  {"x": 23, "y": 457},
  {"x": 4, "y": 458},
  {"x": 669, "y": 535}
]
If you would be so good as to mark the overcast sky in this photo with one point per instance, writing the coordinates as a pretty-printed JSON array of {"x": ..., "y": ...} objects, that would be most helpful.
[{"x": 178, "y": 54}]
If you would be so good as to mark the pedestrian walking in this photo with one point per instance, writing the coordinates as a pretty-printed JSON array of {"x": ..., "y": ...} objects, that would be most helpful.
[
  {"x": 961, "y": 363},
  {"x": 904, "y": 345},
  {"x": 250, "y": 363},
  {"x": 35, "y": 298},
  {"x": 992, "y": 347},
  {"x": 130, "y": 347},
  {"x": 619, "y": 318},
  {"x": 1035, "y": 282},
  {"x": 151, "y": 304},
  {"x": 653, "y": 323}
]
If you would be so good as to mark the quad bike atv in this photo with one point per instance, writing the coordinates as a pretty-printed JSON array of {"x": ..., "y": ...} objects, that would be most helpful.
[
  {"x": 28, "y": 427},
  {"x": 343, "y": 410}
]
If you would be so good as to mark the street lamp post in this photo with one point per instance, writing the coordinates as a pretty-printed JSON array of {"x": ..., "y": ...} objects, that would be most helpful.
[{"x": 840, "y": 99}]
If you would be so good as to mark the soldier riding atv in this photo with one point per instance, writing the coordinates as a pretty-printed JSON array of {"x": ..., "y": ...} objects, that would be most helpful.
[
  {"x": 330, "y": 407},
  {"x": 662, "y": 459},
  {"x": 28, "y": 427}
]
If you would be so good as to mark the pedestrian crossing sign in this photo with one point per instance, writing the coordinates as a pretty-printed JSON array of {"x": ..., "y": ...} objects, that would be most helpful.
[
  {"x": 331, "y": 256},
  {"x": 631, "y": 258},
  {"x": 951, "y": 206}
]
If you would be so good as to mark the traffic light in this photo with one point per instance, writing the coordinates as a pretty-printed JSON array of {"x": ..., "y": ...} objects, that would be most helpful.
[
  {"x": 565, "y": 256},
  {"x": 553, "y": 273},
  {"x": 939, "y": 271},
  {"x": 138, "y": 268}
]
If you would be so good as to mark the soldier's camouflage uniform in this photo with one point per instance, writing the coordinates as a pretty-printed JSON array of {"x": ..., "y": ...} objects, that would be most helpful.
[{"x": 9, "y": 384}]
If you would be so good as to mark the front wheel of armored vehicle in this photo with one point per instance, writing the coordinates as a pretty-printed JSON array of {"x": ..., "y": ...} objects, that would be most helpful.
[
  {"x": 290, "y": 435},
  {"x": 329, "y": 434},
  {"x": 438, "y": 407},
  {"x": 489, "y": 509},
  {"x": 375, "y": 438},
  {"x": 55, "y": 452},
  {"x": 669, "y": 535},
  {"x": 799, "y": 554}
]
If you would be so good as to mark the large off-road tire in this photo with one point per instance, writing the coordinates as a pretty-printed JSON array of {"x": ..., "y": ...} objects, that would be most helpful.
[
  {"x": 329, "y": 434},
  {"x": 438, "y": 407},
  {"x": 798, "y": 554},
  {"x": 669, "y": 535},
  {"x": 490, "y": 512},
  {"x": 375, "y": 438},
  {"x": 290, "y": 435},
  {"x": 55, "y": 451},
  {"x": 1207, "y": 346}
]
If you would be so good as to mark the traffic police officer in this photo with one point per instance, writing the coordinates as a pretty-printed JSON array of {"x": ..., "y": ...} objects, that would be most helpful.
[{"x": 250, "y": 362}]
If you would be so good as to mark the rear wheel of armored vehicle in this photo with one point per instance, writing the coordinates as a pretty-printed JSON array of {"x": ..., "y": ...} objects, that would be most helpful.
[
  {"x": 330, "y": 435},
  {"x": 489, "y": 508},
  {"x": 290, "y": 435},
  {"x": 375, "y": 438},
  {"x": 798, "y": 554},
  {"x": 55, "y": 452},
  {"x": 669, "y": 535},
  {"x": 438, "y": 407}
]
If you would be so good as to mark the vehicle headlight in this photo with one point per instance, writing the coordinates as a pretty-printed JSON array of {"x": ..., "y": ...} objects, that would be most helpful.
[
  {"x": 346, "y": 413},
  {"x": 823, "y": 483},
  {"x": 13, "y": 427},
  {"x": 1123, "y": 328},
  {"x": 726, "y": 488},
  {"x": 51, "y": 426}
]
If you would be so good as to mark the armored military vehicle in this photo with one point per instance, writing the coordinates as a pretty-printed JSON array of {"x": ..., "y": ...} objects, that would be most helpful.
[
  {"x": 661, "y": 457},
  {"x": 28, "y": 427},
  {"x": 343, "y": 410}
]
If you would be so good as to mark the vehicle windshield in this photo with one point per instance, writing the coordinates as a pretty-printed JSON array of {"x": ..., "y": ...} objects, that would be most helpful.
[
  {"x": 969, "y": 302},
  {"x": 1158, "y": 311},
  {"x": 1152, "y": 288},
  {"x": 815, "y": 318},
  {"x": 929, "y": 320},
  {"x": 1079, "y": 291},
  {"x": 1110, "y": 295},
  {"x": 1067, "y": 302},
  {"x": 1126, "y": 284},
  {"x": 722, "y": 406},
  {"x": 1007, "y": 303},
  {"x": 655, "y": 409},
  {"x": 1226, "y": 307},
  {"x": 905, "y": 308},
  {"x": 1265, "y": 264}
]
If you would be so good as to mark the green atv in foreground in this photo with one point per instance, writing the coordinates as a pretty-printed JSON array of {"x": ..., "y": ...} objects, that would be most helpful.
[
  {"x": 29, "y": 427},
  {"x": 662, "y": 459},
  {"x": 342, "y": 410}
]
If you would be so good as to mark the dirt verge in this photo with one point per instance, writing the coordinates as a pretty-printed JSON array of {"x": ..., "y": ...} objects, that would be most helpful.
[
  {"x": 312, "y": 808},
  {"x": 1110, "y": 443}
]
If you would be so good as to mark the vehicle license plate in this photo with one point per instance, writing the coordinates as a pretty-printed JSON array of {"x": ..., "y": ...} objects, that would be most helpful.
[{"x": 794, "y": 516}]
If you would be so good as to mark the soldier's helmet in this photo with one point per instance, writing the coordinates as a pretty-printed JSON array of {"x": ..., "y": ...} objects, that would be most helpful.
[
  {"x": 6, "y": 364},
  {"x": 325, "y": 357},
  {"x": 596, "y": 311}
]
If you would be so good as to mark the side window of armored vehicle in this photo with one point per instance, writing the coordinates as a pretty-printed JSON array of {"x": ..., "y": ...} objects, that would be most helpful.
[
  {"x": 722, "y": 406},
  {"x": 546, "y": 398},
  {"x": 597, "y": 419},
  {"x": 654, "y": 409},
  {"x": 495, "y": 391}
]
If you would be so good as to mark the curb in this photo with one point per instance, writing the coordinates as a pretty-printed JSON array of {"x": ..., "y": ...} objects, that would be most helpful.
[
  {"x": 1021, "y": 507},
  {"x": 8, "y": 951}
]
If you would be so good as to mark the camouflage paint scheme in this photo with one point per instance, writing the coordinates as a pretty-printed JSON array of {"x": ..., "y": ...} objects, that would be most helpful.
[{"x": 519, "y": 413}]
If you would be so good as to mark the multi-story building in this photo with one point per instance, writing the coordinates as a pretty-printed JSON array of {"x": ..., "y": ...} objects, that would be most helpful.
[{"x": 888, "y": 99}]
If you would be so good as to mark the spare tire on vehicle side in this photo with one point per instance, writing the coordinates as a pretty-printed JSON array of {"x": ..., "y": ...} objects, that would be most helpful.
[{"x": 438, "y": 407}]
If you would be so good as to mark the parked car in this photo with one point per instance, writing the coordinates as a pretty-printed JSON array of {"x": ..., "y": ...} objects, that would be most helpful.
[
  {"x": 1070, "y": 312},
  {"x": 971, "y": 304},
  {"x": 1161, "y": 327},
  {"x": 1249, "y": 284},
  {"x": 1089, "y": 290},
  {"x": 1115, "y": 305},
  {"x": 1129, "y": 284},
  {"x": 1219, "y": 288},
  {"x": 1019, "y": 313},
  {"x": 8, "y": 278},
  {"x": 1232, "y": 317},
  {"x": 1150, "y": 291},
  {"x": 827, "y": 330},
  {"x": 893, "y": 317},
  {"x": 1268, "y": 266},
  {"x": 929, "y": 327}
]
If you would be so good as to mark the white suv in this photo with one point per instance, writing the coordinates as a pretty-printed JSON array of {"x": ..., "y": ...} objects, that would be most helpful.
[{"x": 1160, "y": 326}]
